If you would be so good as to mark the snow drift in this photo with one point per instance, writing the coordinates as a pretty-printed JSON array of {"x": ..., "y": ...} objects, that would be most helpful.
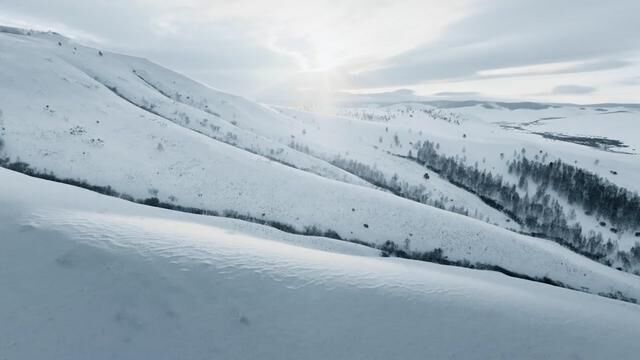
[{"x": 89, "y": 276}]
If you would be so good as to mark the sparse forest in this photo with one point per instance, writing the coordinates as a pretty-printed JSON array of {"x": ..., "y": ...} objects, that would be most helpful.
[
  {"x": 542, "y": 214},
  {"x": 597, "y": 196}
]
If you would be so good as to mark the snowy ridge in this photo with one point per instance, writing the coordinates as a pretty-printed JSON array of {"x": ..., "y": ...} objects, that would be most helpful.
[{"x": 161, "y": 284}]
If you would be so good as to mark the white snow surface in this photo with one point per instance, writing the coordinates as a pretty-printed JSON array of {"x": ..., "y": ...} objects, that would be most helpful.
[
  {"x": 486, "y": 137},
  {"x": 121, "y": 121},
  {"x": 89, "y": 276}
]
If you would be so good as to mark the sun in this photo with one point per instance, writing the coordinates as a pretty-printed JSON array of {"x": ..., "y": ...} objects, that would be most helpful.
[{"x": 327, "y": 51}]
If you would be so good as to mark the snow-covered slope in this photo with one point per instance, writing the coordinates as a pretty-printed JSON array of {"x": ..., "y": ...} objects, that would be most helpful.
[
  {"x": 601, "y": 140},
  {"x": 481, "y": 133},
  {"x": 123, "y": 122},
  {"x": 89, "y": 276},
  {"x": 109, "y": 85}
]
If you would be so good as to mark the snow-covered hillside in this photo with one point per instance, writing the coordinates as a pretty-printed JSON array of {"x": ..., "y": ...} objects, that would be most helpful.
[
  {"x": 149, "y": 133},
  {"x": 103, "y": 81},
  {"x": 602, "y": 140},
  {"x": 89, "y": 276}
]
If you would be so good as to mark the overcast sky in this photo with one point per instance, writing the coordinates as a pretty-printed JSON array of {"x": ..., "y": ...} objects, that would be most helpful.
[{"x": 581, "y": 51}]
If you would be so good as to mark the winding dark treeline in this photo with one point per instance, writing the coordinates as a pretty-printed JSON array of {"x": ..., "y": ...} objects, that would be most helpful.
[
  {"x": 417, "y": 193},
  {"x": 541, "y": 214},
  {"x": 598, "y": 196}
]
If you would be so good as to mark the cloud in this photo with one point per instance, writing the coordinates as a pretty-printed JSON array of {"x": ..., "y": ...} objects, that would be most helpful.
[
  {"x": 572, "y": 90},
  {"x": 506, "y": 34},
  {"x": 630, "y": 81},
  {"x": 227, "y": 54},
  {"x": 554, "y": 68},
  {"x": 254, "y": 47},
  {"x": 466, "y": 94},
  {"x": 228, "y": 42}
]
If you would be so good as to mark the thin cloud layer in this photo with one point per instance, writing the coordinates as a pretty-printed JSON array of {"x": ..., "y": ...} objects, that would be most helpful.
[
  {"x": 507, "y": 34},
  {"x": 572, "y": 90},
  {"x": 280, "y": 48}
]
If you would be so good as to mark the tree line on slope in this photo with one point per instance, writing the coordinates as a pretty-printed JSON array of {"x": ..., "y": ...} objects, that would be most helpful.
[
  {"x": 595, "y": 194},
  {"x": 417, "y": 193},
  {"x": 388, "y": 114},
  {"x": 540, "y": 213}
]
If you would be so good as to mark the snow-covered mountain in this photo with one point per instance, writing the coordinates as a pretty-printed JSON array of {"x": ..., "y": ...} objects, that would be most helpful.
[
  {"x": 89, "y": 276},
  {"x": 406, "y": 180}
]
